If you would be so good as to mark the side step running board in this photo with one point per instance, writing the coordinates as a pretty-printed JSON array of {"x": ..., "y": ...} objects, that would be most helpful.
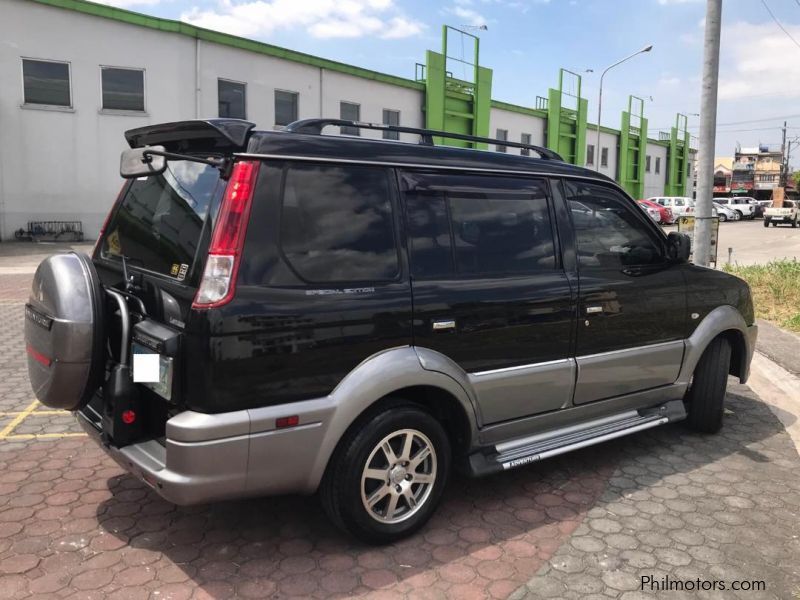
[{"x": 516, "y": 453}]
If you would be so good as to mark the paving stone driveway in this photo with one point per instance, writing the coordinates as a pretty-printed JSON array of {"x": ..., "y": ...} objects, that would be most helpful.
[{"x": 587, "y": 525}]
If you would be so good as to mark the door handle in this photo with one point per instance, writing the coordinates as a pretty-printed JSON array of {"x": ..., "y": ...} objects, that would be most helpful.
[
  {"x": 594, "y": 310},
  {"x": 444, "y": 324}
]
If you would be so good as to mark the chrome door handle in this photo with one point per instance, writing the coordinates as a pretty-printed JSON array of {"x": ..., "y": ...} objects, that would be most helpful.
[
  {"x": 444, "y": 324},
  {"x": 593, "y": 310}
]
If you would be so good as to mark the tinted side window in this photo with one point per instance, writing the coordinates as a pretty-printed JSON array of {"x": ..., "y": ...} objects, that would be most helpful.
[
  {"x": 495, "y": 227},
  {"x": 609, "y": 232},
  {"x": 336, "y": 224},
  {"x": 501, "y": 233}
]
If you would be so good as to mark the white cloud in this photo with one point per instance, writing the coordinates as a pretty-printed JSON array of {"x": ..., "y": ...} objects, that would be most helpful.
[
  {"x": 666, "y": 2},
  {"x": 669, "y": 80},
  {"x": 320, "y": 18},
  {"x": 767, "y": 68},
  {"x": 469, "y": 16}
]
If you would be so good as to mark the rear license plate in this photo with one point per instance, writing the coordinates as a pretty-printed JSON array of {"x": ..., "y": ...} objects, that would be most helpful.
[
  {"x": 162, "y": 387},
  {"x": 34, "y": 316}
]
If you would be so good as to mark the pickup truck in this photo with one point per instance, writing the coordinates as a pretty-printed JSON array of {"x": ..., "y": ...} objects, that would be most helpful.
[{"x": 788, "y": 213}]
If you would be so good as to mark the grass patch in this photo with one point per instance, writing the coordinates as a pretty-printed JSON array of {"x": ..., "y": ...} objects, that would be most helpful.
[{"x": 776, "y": 290}]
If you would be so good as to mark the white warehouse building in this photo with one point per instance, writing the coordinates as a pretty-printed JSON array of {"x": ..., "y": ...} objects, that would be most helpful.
[{"x": 75, "y": 75}]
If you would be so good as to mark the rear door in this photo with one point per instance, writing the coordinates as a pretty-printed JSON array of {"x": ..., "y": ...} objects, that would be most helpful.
[
  {"x": 490, "y": 291},
  {"x": 632, "y": 300}
]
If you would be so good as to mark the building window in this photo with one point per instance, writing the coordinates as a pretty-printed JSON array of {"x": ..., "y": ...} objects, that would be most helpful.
[
  {"x": 46, "y": 82},
  {"x": 232, "y": 97},
  {"x": 123, "y": 89},
  {"x": 590, "y": 154},
  {"x": 525, "y": 138},
  {"x": 285, "y": 107},
  {"x": 502, "y": 135},
  {"x": 647, "y": 163},
  {"x": 391, "y": 117},
  {"x": 349, "y": 111},
  {"x": 604, "y": 157},
  {"x": 658, "y": 164}
]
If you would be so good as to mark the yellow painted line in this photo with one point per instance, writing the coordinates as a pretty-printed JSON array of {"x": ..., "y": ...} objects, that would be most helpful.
[
  {"x": 18, "y": 419},
  {"x": 36, "y": 436}
]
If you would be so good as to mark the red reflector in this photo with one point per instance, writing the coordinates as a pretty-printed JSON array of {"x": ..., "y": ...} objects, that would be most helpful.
[
  {"x": 128, "y": 417},
  {"x": 38, "y": 356},
  {"x": 287, "y": 421}
]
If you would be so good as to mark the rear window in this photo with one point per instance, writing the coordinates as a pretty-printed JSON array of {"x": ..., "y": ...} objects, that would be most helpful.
[{"x": 159, "y": 224}]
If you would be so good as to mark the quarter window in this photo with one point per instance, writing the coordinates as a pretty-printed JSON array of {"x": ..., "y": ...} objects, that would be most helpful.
[
  {"x": 232, "y": 97},
  {"x": 285, "y": 107},
  {"x": 349, "y": 112},
  {"x": 123, "y": 89},
  {"x": 610, "y": 233},
  {"x": 46, "y": 82},
  {"x": 337, "y": 224},
  {"x": 391, "y": 117}
]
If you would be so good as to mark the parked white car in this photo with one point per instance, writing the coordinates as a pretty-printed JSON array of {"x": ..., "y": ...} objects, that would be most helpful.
[
  {"x": 680, "y": 206},
  {"x": 744, "y": 205},
  {"x": 726, "y": 213},
  {"x": 653, "y": 212}
]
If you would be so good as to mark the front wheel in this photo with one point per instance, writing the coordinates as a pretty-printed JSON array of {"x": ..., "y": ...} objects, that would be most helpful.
[
  {"x": 722, "y": 218},
  {"x": 706, "y": 394},
  {"x": 738, "y": 212},
  {"x": 766, "y": 223},
  {"x": 387, "y": 476},
  {"x": 794, "y": 223}
]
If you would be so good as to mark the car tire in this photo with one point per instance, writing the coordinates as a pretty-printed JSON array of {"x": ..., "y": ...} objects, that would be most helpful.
[
  {"x": 362, "y": 472},
  {"x": 738, "y": 212},
  {"x": 794, "y": 223},
  {"x": 706, "y": 395},
  {"x": 766, "y": 223},
  {"x": 722, "y": 218}
]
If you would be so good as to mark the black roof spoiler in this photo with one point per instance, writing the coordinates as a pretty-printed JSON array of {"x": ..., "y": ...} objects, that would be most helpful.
[{"x": 223, "y": 135}]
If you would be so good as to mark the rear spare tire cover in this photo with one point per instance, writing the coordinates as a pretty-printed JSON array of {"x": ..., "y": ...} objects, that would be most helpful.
[{"x": 64, "y": 331}]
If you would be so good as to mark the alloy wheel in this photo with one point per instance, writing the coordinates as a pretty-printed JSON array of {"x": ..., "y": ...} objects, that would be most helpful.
[{"x": 398, "y": 476}]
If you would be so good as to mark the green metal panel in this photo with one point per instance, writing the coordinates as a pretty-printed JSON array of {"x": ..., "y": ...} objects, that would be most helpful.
[
  {"x": 678, "y": 158},
  {"x": 566, "y": 120},
  {"x": 633, "y": 148},
  {"x": 457, "y": 105}
]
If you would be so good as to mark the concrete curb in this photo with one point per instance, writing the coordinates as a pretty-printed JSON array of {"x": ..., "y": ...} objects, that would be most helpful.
[{"x": 780, "y": 346}]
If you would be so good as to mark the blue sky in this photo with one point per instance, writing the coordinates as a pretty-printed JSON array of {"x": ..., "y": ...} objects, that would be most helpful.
[{"x": 528, "y": 40}]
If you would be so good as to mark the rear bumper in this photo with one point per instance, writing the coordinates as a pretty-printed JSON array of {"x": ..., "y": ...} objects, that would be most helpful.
[{"x": 216, "y": 457}]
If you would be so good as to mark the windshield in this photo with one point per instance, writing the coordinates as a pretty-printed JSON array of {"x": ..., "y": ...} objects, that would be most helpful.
[{"x": 159, "y": 224}]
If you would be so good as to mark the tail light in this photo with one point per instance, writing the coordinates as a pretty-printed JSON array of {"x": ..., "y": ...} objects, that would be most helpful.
[
  {"x": 689, "y": 209},
  {"x": 219, "y": 276}
]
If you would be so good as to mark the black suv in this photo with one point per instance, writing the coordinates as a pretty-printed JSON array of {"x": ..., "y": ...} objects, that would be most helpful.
[{"x": 271, "y": 312}]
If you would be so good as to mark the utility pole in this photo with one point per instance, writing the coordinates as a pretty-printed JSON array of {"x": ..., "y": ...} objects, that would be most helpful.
[
  {"x": 785, "y": 161},
  {"x": 708, "y": 130}
]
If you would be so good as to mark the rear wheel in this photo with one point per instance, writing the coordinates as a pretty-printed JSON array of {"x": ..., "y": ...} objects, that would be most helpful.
[
  {"x": 387, "y": 476},
  {"x": 706, "y": 394},
  {"x": 766, "y": 223}
]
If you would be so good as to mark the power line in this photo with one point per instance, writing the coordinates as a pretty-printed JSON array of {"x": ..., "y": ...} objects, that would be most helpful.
[{"x": 778, "y": 23}]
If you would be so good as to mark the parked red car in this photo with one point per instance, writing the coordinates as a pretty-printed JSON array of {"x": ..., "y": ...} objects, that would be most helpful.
[{"x": 664, "y": 212}]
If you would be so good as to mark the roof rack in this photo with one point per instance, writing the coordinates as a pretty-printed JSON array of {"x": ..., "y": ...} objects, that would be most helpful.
[{"x": 315, "y": 127}]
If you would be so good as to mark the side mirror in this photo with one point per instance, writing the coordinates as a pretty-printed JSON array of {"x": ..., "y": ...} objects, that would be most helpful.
[
  {"x": 679, "y": 246},
  {"x": 138, "y": 162}
]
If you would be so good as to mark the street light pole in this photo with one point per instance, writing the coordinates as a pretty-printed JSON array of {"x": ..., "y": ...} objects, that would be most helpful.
[{"x": 600, "y": 99}]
